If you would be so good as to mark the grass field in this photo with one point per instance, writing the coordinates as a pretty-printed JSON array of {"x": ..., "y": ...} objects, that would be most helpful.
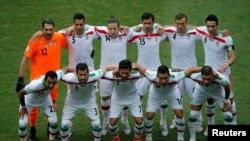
[{"x": 19, "y": 19}]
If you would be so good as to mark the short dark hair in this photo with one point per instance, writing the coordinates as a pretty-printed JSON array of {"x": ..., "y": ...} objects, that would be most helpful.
[
  {"x": 163, "y": 69},
  {"x": 148, "y": 15},
  {"x": 113, "y": 20},
  {"x": 207, "y": 70},
  {"x": 51, "y": 74},
  {"x": 82, "y": 66},
  {"x": 213, "y": 18},
  {"x": 180, "y": 16},
  {"x": 48, "y": 21},
  {"x": 78, "y": 16},
  {"x": 125, "y": 64}
]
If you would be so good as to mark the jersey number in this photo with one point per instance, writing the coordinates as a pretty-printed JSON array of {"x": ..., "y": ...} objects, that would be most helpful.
[
  {"x": 73, "y": 39},
  {"x": 52, "y": 109},
  {"x": 142, "y": 41},
  {"x": 44, "y": 51}
]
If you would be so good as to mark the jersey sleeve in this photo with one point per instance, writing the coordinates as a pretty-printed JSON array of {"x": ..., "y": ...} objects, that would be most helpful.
[
  {"x": 95, "y": 75},
  {"x": 60, "y": 74},
  {"x": 222, "y": 79},
  {"x": 30, "y": 49},
  {"x": 177, "y": 76},
  {"x": 151, "y": 75}
]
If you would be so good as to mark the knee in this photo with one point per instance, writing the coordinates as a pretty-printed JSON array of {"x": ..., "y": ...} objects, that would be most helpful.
[
  {"x": 227, "y": 115},
  {"x": 66, "y": 124},
  {"x": 96, "y": 124},
  {"x": 52, "y": 121},
  {"x": 193, "y": 115}
]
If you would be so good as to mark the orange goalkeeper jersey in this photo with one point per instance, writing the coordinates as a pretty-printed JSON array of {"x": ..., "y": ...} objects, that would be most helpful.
[{"x": 44, "y": 54}]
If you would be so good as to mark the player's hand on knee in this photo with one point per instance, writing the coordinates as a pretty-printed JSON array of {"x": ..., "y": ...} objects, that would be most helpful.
[{"x": 20, "y": 84}]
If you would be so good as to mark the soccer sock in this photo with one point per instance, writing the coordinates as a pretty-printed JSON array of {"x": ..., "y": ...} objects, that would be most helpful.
[
  {"x": 114, "y": 131},
  {"x": 105, "y": 109},
  {"x": 138, "y": 129},
  {"x": 65, "y": 129},
  {"x": 148, "y": 127},
  {"x": 210, "y": 108},
  {"x": 164, "y": 108},
  {"x": 234, "y": 113},
  {"x": 199, "y": 119},
  {"x": 125, "y": 114},
  {"x": 180, "y": 125},
  {"x": 228, "y": 118},
  {"x": 192, "y": 121},
  {"x": 53, "y": 131},
  {"x": 96, "y": 130}
]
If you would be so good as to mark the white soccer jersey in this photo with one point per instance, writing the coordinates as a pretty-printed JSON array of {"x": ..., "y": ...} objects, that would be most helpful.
[
  {"x": 124, "y": 91},
  {"x": 174, "y": 78},
  {"x": 83, "y": 92},
  {"x": 113, "y": 50},
  {"x": 36, "y": 91},
  {"x": 182, "y": 47},
  {"x": 215, "y": 48},
  {"x": 148, "y": 48},
  {"x": 218, "y": 83},
  {"x": 80, "y": 47}
]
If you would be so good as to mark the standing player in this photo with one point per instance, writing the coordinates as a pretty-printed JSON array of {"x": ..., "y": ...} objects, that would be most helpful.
[
  {"x": 37, "y": 94},
  {"x": 81, "y": 96},
  {"x": 148, "y": 44},
  {"x": 182, "y": 42},
  {"x": 125, "y": 94},
  {"x": 113, "y": 50},
  {"x": 43, "y": 54},
  {"x": 210, "y": 84},
  {"x": 220, "y": 55},
  {"x": 164, "y": 87}
]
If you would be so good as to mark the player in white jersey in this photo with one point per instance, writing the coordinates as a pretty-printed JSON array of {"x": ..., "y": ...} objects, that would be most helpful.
[
  {"x": 219, "y": 54},
  {"x": 210, "y": 84},
  {"x": 81, "y": 96},
  {"x": 182, "y": 42},
  {"x": 113, "y": 50},
  {"x": 148, "y": 43},
  {"x": 124, "y": 94},
  {"x": 80, "y": 42},
  {"x": 37, "y": 94},
  {"x": 164, "y": 87}
]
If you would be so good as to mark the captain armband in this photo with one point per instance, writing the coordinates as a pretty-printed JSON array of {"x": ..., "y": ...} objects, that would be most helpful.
[{"x": 230, "y": 48}]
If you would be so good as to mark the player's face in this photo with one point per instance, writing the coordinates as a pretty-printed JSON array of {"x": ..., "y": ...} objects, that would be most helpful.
[
  {"x": 50, "y": 83},
  {"x": 82, "y": 76},
  {"x": 124, "y": 73},
  {"x": 181, "y": 25},
  {"x": 147, "y": 25},
  {"x": 207, "y": 79},
  {"x": 163, "y": 78},
  {"x": 79, "y": 25},
  {"x": 113, "y": 29},
  {"x": 48, "y": 31},
  {"x": 212, "y": 28}
]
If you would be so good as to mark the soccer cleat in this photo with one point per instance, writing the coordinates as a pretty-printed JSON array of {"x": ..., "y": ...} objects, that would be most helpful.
[
  {"x": 199, "y": 127},
  {"x": 116, "y": 139},
  {"x": 205, "y": 132},
  {"x": 126, "y": 127},
  {"x": 137, "y": 139},
  {"x": 173, "y": 125},
  {"x": 149, "y": 139},
  {"x": 164, "y": 130},
  {"x": 105, "y": 128},
  {"x": 32, "y": 133}
]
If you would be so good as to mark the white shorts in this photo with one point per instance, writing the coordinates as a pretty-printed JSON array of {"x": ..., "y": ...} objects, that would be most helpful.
[
  {"x": 135, "y": 109},
  {"x": 155, "y": 100},
  {"x": 186, "y": 85},
  {"x": 72, "y": 106},
  {"x": 142, "y": 85},
  {"x": 200, "y": 96},
  {"x": 45, "y": 105},
  {"x": 106, "y": 87}
]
